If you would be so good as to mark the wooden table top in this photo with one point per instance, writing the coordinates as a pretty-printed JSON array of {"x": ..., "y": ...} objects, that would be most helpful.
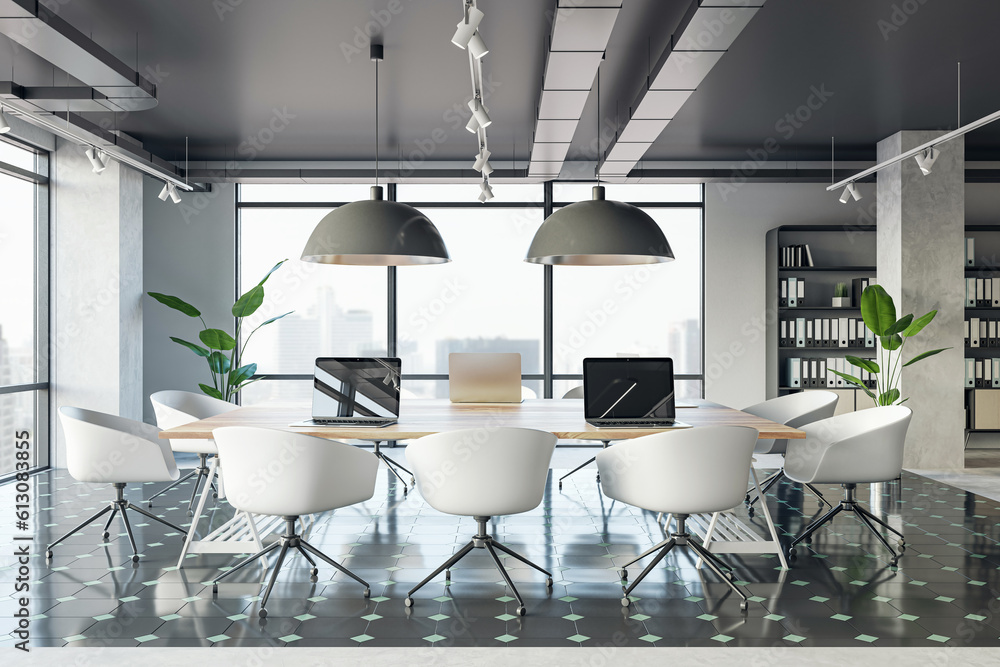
[{"x": 420, "y": 417}]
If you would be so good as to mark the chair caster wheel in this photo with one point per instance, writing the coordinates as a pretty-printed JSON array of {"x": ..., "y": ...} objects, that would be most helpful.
[
  {"x": 902, "y": 546},
  {"x": 48, "y": 554},
  {"x": 413, "y": 480},
  {"x": 447, "y": 575},
  {"x": 106, "y": 534},
  {"x": 730, "y": 576},
  {"x": 626, "y": 602},
  {"x": 560, "y": 486},
  {"x": 521, "y": 611},
  {"x": 598, "y": 478},
  {"x": 215, "y": 496},
  {"x": 747, "y": 499},
  {"x": 744, "y": 605},
  {"x": 262, "y": 613},
  {"x": 215, "y": 589},
  {"x": 190, "y": 513},
  {"x": 750, "y": 512},
  {"x": 623, "y": 574},
  {"x": 135, "y": 558},
  {"x": 894, "y": 562},
  {"x": 408, "y": 602},
  {"x": 314, "y": 571},
  {"x": 791, "y": 554},
  {"x": 367, "y": 593},
  {"x": 548, "y": 582},
  {"x": 149, "y": 503}
]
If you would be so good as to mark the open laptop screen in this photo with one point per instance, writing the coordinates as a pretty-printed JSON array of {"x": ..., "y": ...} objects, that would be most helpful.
[
  {"x": 356, "y": 387},
  {"x": 617, "y": 388}
]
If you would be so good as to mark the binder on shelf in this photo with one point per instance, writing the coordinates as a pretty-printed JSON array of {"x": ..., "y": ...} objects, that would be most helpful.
[
  {"x": 821, "y": 363},
  {"x": 842, "y": 328},
  {"x": 852, "y": 332},
  {"x": 794, "y": 372},
  {"x": 831, "y": 379},
  {"x": 810, "y": 341},
  {"x": 974, "y": 330},
  {"x": 805, "y": 380},
  {"x": 996, "y": 292},
  {"x": 982, "y": 333},
  {"x": 966, "y": 333},
  {"x": 783, "y": 294},
  {"x": 980, "y": 301},
  {"x": 970, "y": 251},
  {"x": 996, "y": 372},
  {"x": 858, "y": 286},
  {"x": 987, "y": 372},
  {"x": 979, "y": 373},
  {"x": 826, "y": 332},
  {"x": 970, "y": 292},
  {"x": 869, "y": 337},
  {"x": 841, "y": 366},
  {"x": 988, "y": 292},
  {"x": 800, "y": 293},
  {"x": 991, "y": 334},
  {"x": 800, "y": 332},
  {"x": 792, "y": 292},
  {"x": 808, "y": 256},
  {"x": 798, "y": 255},
  {"x": 814, "y": 373},
  {"x": 970, "y": 372},
  {"x": 783, "y": 336}
]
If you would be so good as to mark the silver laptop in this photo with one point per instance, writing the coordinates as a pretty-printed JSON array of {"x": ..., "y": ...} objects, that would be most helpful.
[
  {"x": 484, "y": 378},
  {"x": 355, "y": 391},
  {"x": 636, "y": 392}
]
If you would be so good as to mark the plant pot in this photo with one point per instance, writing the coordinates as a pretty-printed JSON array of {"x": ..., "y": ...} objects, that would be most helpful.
[{"x": 841, "y": 302}]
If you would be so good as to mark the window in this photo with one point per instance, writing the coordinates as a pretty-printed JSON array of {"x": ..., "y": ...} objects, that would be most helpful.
[
  {"x": 23, "y": 308},
  {"x": 487, "y": 299}
]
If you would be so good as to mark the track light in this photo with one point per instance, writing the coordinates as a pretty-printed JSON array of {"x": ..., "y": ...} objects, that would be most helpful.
[
  {"x": 466, "y": 29},
  {"x": 98, "y": 160},
  {"x": 479, "y": 112},
  {"x": 483, "y": 162},
  {"x": 486, "y": 193},
  {"x": 169, "y": 191},
  {"x": 165, "y": 192},
  {"x": 473, "y": 125},
  {"x": 850, "y": 191},
  {"x": 477, "y": 47},
  {"x": 4, "y": 126},
  {"x": 925, "y": 159}
]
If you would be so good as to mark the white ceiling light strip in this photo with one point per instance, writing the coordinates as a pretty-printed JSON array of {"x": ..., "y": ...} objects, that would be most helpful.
[
  {"x": 707, "y": 31},
  {"x": 580, "y": 33},
  {"x": 467, "y": 37}
]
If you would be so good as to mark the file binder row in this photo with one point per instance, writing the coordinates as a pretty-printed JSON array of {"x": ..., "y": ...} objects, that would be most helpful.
[
  {"x": 816, "y": 373},
  {"x": 792, "y": 293},
  {"x": 970, "y": 251},
  {"x": 825, "y": 332},
  {"x": 796, "y": 255},
  {"x": 981, "y": 332},
  {"x": 982, "y": 373},
  {"x": 982, "y": 292}
]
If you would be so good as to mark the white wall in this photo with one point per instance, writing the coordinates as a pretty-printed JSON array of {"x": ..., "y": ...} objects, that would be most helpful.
[
  {"x": 735, "y": 270},
  {"x": 189, "y": 252}
]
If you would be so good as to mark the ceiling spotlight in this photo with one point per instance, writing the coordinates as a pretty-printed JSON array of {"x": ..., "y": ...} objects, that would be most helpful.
[
  {"x": 850, "y": 191},
  {"x": 165, "y": 192},
  {"x": 925, "y": 159},
  {"x": 486, "y": 193},
  {"x": 473, "y": 125},
  {"x": 477, "y": 47},
  {"x": 483, "y": 162},
  {"x": 98, "y": 160},
  {"x": 169, "y": 191},
  {"x": 466, "y": 29},
  {"x": 4, "y": 126},
  {"x": 479, "y": 112}
]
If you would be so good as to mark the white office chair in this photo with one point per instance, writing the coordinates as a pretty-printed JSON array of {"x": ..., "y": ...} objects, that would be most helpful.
[
  {"x": 106, "y": 449},
  {"x": 715, "y": 464},
  {"x": 176, "y": 408},
  {"x": 575, "y": 392},
  {"x": 793, "y": 410},
  {"x": 527, "y": 393},
  {"x": 500, "y": 471},
  {"x": 850, "y": 449},
  {"x": 304, "y": 475}
]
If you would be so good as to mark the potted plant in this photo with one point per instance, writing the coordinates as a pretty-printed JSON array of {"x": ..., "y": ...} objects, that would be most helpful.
[
  {"x": 222, "y": 350},
  {"x": 879, "y": 314},
  {"x": 841, "y": 296}
]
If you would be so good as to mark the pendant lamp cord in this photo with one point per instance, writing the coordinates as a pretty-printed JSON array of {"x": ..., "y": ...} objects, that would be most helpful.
[
  {"x": 376, "y": 123},
  {"x": 597, "y": 166}
]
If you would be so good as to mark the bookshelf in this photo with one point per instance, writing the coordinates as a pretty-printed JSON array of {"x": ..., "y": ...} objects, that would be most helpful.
[
  {"x": 840, "y": 253},
  {"x": 982, "y": 403}
]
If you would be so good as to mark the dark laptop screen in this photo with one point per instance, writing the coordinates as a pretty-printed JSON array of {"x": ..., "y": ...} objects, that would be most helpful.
[
  {"x": 617, "y": 388},
  {"x": 356, "y": 387}
]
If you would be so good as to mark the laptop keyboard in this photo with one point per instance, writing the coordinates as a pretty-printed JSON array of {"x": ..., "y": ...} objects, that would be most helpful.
[
  {"x": 350, "y": 422},
  {"x": 632, "y": 422}
]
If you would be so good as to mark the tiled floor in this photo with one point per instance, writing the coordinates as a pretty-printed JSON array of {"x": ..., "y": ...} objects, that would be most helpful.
[{"x": 842, "y": 594}]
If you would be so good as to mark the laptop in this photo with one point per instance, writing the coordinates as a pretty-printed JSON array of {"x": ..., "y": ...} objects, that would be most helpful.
[
  {"x": 355, "y": 391},
  {"x": 629, "y": 392},
  {"x": 484, "y": 378}
]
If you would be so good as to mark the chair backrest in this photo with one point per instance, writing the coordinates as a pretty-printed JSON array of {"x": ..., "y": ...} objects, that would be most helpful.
[
  {"x": 176, "y": 408},
  {"x": 575, "y": 392},
  {"x": 488, "y": 471},
  {"x": 793, "y": 410},
  {"x": 853, "y": 448},
  {"x": 103, "y": 448},
  {"x": 685, "y": 471},
  {"x": 527, "y": 392},
  {"x": 291, "y": 474}
]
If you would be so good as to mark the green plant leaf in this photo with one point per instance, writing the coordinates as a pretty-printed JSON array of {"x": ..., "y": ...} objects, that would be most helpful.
[
  {"x": 903, "y": 401},
  {"x": 242, "y": 374},
  {"x": 211, "y": 391},
  {"x": 877, "y": 309},
  {"x": 892, "y": 342},
  {"x": 249, "y": 303},
  {"x": 867, "y": 364},
  {"x": 919, "y": 324},
  {"x": 197, "y": 349},
  {"x": 889, "y": 397},
  {"x": 273, "y": 269},
  {"x": 217, "y": 339},
  {"x": 176, "y": 304},
  {"x": 273, "y": 319},
  {"x": 900, "y": 325},
  {"x": 855, "y": 381},
  {"x": 219, "y": 363},
  {"x": 924, "y": 355}
]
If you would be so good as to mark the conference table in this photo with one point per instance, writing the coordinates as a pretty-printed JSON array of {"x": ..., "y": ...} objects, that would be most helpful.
[{"x": 421, "y": 417}]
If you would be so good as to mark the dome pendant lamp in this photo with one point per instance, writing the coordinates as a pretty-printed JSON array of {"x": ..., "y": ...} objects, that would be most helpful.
[
  {"x": 375, "y": 232},
  {"x": 599, "y": 232}
]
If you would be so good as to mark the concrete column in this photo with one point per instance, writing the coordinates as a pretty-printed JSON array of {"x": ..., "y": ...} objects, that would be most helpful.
[
  {"x": 96, "y": 287},
  {"x": 921, "y": 231}
]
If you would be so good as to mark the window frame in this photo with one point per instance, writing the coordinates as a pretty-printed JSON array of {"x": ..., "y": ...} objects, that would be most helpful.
[{"x": 547, "y": 205}]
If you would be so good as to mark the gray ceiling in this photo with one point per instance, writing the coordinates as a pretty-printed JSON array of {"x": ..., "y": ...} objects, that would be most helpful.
[{"x": 224, "y": 72}]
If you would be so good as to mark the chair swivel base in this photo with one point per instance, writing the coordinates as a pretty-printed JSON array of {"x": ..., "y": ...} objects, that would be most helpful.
[
  {"x": 681, "y": 538},
  {"x": 583, "y": 465},
  {"x": 117, "y": 506},
  {"x": 771, "y": 481},
  {"x": 483, "y": 540},
  {"x": 850, "y": 504},
  {"x": 202, "y": 471},
  {"x": 290, "y": 540}
]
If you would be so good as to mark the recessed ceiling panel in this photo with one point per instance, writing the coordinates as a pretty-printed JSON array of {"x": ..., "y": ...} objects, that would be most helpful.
[
  {"x": 639, "y": 131},
  {"x": 685, "y": 70},
  {"x": 571, "y": 70},
  {"x": 582, "y": 28},
  {"x": 661, "y": 104},
  {"x": 714, "y": 28},
  {"x": 624, "y": 152},
  {"x": 562, "y": 104},
  {"x": 555, "y": 130},
  {"x": 549, "y": 152}
]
